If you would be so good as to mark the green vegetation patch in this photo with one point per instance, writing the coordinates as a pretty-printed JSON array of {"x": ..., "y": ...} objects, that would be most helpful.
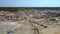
[{"x": 54, "y": 20}]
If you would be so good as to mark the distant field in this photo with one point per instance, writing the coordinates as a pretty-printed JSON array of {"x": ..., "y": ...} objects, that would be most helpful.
[{"x": 14, "y": 9}]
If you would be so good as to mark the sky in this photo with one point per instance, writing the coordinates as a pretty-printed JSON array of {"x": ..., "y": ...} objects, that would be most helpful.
[{"x": 29, "y": 3}]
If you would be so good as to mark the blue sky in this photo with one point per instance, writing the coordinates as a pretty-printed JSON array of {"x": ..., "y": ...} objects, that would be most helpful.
[{"x": 29, "y": 3}]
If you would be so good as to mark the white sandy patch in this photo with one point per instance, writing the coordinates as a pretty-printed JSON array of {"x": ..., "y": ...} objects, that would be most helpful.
[{"x": 51, "y": 30}]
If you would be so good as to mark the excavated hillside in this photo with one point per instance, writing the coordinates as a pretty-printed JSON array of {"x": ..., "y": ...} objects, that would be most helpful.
[{"x": 32, "y": 21}]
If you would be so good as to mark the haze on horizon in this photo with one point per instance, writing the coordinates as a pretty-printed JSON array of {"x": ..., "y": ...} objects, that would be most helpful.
[{"x": 29, "y": 3}]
